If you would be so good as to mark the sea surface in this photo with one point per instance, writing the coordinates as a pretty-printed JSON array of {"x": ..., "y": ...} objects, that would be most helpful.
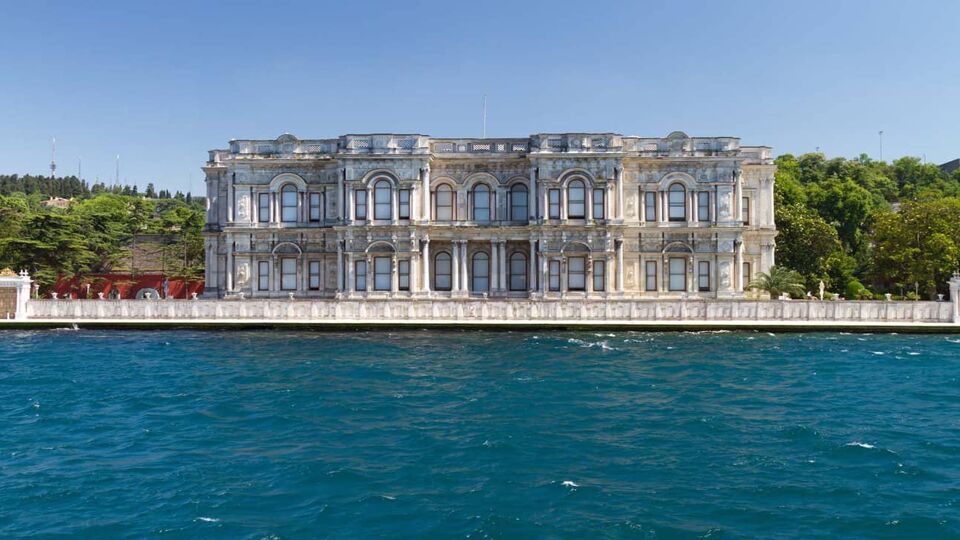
[{"x": 444, "y": 434}]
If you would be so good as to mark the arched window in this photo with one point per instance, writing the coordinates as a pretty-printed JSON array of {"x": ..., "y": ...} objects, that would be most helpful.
[
  {"x": 480, "y": 272},
  {"x": 288, "y": 204},
  {"x": 382, "y": 200},
  {"x": 518, "y": 202},
  {"x": 677, "y": 203},
  {"x": 481, "y": 203},
  {"x": 443, "y": 272},
  {"x": 444, "y": 203},
  {"x": 518, "y": 272},
  {"x": 576, "y": 200}
]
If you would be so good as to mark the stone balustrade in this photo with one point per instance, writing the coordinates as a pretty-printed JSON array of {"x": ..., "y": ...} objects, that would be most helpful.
[{"x": 452, "y": 311}]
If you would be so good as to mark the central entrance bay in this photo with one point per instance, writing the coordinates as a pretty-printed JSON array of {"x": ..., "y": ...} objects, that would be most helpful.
[{"x": 479, "y": 434}]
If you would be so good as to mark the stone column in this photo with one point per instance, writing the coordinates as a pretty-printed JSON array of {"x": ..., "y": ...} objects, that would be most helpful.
[
  {"x": 532, "y": 266},
  {"x": 954, "y": 296},
  {"x": 588, "y": 275},
  {"x": 737, "y": 196},
  {"x": 617, "y": 278},
  {"x": 229, "y": 265},
  {"x": 370, "y": 274},
  {"x": 494, "y": 265},
  {"x": 619, "y": 266},
  {"x": 618, "y": 173},
  {"x": 426, "y": 265},
  {"x": 351, "y": 208},
  {"x": 231, "y": 202},
  {"x": 504, "y": 283},
  {"x": 425, "y": 187},
  {"x": 464, "y": 272},
  {"x": 588, "y": 203},
  {"x": 532, "y": 195},
  {"x": 455, "y": 264},
  {"x": 394, "y": 275},
  {"x": 395, "y": 205},
  {"x": 340, "y": 277},
  {"x": 341, "y": 196},
  {"x": 351, "y": 273},
  {"x": 544, "y": 273}
]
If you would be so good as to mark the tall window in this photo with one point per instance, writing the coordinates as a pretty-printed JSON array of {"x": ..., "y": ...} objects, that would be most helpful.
[
  {"x": 403, "y": 275},
  {"x": 288, "y": 204},
  {"x": 703, "y": 276},
  {"x": 554, "y": 277},
  {"x": 381, "y": 273},
  {"x": 650, "y": 206},
  {"x": 263, "y": 275},
  {"x": 480, "y": 272},
  {"x": 576, "y": 200},
  {"x": 518, "y": 272},
  {"x": 703, "y": 206},
  {"x": 288, "y": 274},
  {"x": 444, "y": 202},
  {"x": 404, "y": 211},
  {"x": 360, "y": 275},
  {"x": 518, "y": 203},
  {"x": 678, "y": 274},
  {"x": 481, "y": 203},
  {"x": 315, "y": 207},
  {"x": 598, "y": 206},
  {"x": 746, "y": 275},
  {"x": 599, "y": 275},
  {"x": 263, "y": 207},
  {"x": 650, "y": 276},
  {"x": 577, "y": 273},
  {"x": 382, "y": 205},
  {"x": 746, "y": 210},
  {"x": 443, "y": 276},
  {"x": 361, "y": 204},
  {"x": 554, "y": 195},
  {"x": 677, "y": 203},
  {"x": 313, "y": 270}
]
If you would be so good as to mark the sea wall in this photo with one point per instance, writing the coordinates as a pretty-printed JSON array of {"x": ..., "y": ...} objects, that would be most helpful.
[{"x": 493, "y": 310}]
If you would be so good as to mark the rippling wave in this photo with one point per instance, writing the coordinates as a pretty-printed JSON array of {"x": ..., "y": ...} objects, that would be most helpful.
[{"x": 478, "y": 434}]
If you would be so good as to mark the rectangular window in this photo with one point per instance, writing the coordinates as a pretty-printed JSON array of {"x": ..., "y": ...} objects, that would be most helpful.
[
  {"x": 315, "y": 207},
  {"x": 678, "y": 274},
  {"x": 263, "y": 275},
  {"x": 677, "y": 203},
  {"x": 703, "y": 206},
  {"x": 288, "y": 274},
  {"x": 650, "y": 206},
  {"x": 360, "y": 278},
  {"x": 576, "y": 273},
  {"x": 313, "y": 271},
  {"x": 599, "y": 275},
  {"x": 442, "y": 269},
  {"x": 651, "y": 276},
  {"x": 444, "y": 203},
  {"x": 403, "y": 277},
  {"x": 404, "y": 210},
  {"x": 263, "y": 208},
  {"x": 703, "y": 276},
  {"x": 381, "y": 273},
  {"x": 598, "y": 205},
  {"x": 361, "y": 204},
  {"x": 554, "y": 195},
  {"x": 746, "y": 276},
  {"x": 554, "y": 275},
  {"x": 746, "y": 210}
]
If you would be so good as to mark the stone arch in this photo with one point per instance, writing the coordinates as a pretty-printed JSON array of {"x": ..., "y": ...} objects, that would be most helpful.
[
  {"x": 381, "y": 246},
  {"x": 378, "y": 174},
  {"x": 282, "y": 179},
  {"x": 286, "y": 248},
  {"x": 575, "y": 246},
  {"x": 481, "y": 177},
  {"x": 571, "y": 174},
  {"x": 678, "y": 247},
  {"x": 688, "y": 181}
]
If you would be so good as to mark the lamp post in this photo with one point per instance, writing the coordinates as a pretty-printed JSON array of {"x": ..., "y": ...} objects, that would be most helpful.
[{"x": 881, "y": 145}]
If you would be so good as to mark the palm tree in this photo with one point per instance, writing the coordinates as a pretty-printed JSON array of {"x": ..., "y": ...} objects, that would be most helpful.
[{"x": 779, "y": 280}]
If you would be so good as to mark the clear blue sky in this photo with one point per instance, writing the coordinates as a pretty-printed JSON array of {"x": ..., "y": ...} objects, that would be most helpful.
[{"x": 160, "y": 83}]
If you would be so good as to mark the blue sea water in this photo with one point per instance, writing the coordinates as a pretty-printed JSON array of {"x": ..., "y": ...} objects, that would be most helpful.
[{"x": 428, "y": 434}]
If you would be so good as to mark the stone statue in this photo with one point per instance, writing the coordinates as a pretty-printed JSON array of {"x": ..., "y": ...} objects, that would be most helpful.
[
  {"x": 243, "y": 274},
  {"x": 821, "y": 290},
  {"x": 243, "y": 208}
]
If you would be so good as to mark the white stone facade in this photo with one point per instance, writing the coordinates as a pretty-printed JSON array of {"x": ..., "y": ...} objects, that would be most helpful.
[{"x": 572, "y": 215}]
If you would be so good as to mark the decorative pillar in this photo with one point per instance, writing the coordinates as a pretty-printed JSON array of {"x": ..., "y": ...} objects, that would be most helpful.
[
  {"x": 369, "y": 275},
  {"x": 738, "y": 195},
  {"x": 425, "y": 187},
  {"x": 229, "y": 265},
  {"x": 619, "y": 265},
  {"x": 588, "y": 202},
  {"x": 455, "y": 270},
  {"x": 532, "y": 194},
  {"x": 618, "y": 174},
  {"x": 544, "y": 269},
  {"x": 954, "y": 296},
  {"x": 351, "y": 208},
  {"x": 532, "y": 266},
  {"x": 503, "y": 266},
  {"x": 394, "y": 275},
  {"x": 351, "y": 270},
  {"x": 494, "y": 265},
  {"x": 395, "y": 204},
  {"x": 341, "y": 196},
  {"x": 426, "y": 264},
  {"x": 464, "y": 274}
]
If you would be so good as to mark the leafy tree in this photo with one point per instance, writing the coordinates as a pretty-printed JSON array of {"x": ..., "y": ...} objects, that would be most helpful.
[{"x": 805, "y": 241}]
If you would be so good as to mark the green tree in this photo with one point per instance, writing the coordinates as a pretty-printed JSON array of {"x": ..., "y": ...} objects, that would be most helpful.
[{"x": 779, "y": 280}]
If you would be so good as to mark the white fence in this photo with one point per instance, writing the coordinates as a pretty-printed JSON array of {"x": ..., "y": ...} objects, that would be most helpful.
[{"x": 493, "y": 310}]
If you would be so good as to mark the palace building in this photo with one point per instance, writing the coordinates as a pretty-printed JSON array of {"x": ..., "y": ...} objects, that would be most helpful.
[{"x": 572, "y": 215}]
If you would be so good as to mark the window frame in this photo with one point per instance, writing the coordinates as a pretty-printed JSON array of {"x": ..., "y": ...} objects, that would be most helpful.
[
  {"x": 703, "y": 276},
  {"x": 360, "y": 275},
  {"x": 480, "y": 256},
  {"x": 524, "y": 208},
  {"x": 745, "y": 209},
  {"x": 650, "y": 276},
  {"x": 599, "y": 203},
  {"x": 315, "y": 206},
  {"x": 313, "y": 276},
  {"x": 553, "y": 275},
  {"x": 263, "y": 217},
  {"x": 403, "y": 200},
  {"x": 360, "y": 202},
  {"x": 481, "y": 193},
  {"x": 650, "y": 206},
  {"x": 448, "y": 274},
  {"x": 381, "y": 188},
  {"x": 703, "y": 206},
  {"x": 285, "y": 274},
  {"x": 745, "y": 269},
  {"x": 285, "y": 206},
  {"x": 554, "y": 205},
  {"x": 581, "y": 203},
  {"x": 673, "y": 205},
  {"x": 378, "y": 274},
  {"x": 403, "y": 275},
  {"x": 600, "y": 275},
  {"x": 581, "y": 274},
  {"x": 671, "y": 274},
  {"x": 446, "y": 190},
  {"x": 517, "y": 277},
  {"x": 263, "y": 275}
]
